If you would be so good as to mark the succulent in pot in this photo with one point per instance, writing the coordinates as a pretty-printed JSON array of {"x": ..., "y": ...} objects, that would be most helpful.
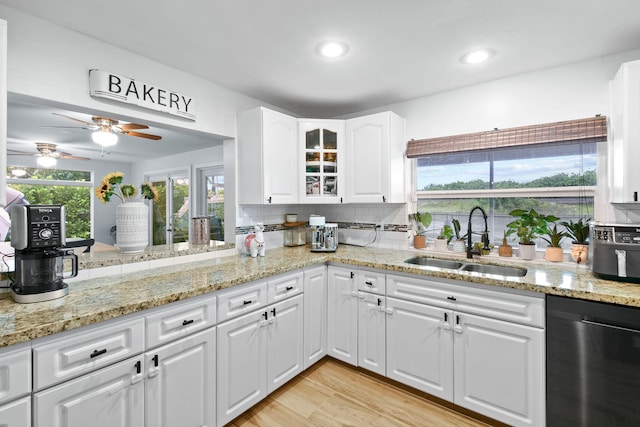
[
  {"x": 443, "y": 239},
  {"x": 554, "y": 237},
  {"x": 528, "y": 225},
  {"x": 578, "y": 232}
]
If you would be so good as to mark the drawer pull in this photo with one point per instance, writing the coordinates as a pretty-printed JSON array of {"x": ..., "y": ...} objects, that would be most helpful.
[
  {"x": 288, "y": 288},
  {"x": 451, "y": 298},
  {"x": 368, "y": 283},
  {"x": 247, "y": 302},
  {"x": 187, "y": 322},
  {"x": 97, "y": 353}
]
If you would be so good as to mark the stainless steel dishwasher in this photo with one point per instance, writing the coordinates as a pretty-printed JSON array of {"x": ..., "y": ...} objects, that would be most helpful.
[{"x": 593, "y": 363}]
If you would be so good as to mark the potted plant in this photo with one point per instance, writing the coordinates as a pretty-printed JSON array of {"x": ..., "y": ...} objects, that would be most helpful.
[
  {"x": 528, "y": 225},
  {"x": 579, "y": 233},
  {"x": 421, "y": 222},
  {"x": 443, "y": 239},
  {"x": 505, "y": 249},
  {"x": 459, "y": 245},
  {"x": 553, "y": 252}
]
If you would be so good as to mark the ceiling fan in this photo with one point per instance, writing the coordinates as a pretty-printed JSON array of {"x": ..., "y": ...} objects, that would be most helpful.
[
  {"x": 105, "y": 129},
  {"x": 47, "y": 154}
]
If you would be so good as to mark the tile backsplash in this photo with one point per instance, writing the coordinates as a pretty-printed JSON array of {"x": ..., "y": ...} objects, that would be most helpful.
[{"x": 382, "y": 225}]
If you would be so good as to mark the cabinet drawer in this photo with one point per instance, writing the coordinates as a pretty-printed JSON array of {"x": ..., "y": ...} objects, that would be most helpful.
[
  {"x": 86, "y": 350},
  {"x": 16, "y": 413},
  {"x": 512, "y": 305},
  {"x": 241, "y": 299},
  {"x": 15, "y": 372},
  {"x": 180, "y": 319},
  {"x": 372, "y": 281},
  {"x": 284, "y": 286}
]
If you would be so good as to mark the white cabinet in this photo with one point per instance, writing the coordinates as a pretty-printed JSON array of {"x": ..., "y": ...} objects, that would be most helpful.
[
  {"x": 322, "y": 161},
  {"x": 16, "y": 413},
  {"x": 499, "y": 369},
  {"x": 624, "y": 138},
  {"x": 315, "y": 314},
  {"x": 257, "y": 353},
  {"x": 180, "y": 385},
  {"x": 342, "y": 314},
  {"x": 267, "y": 145},
  {"x": 375, "y": 161},
  {"x": 110, "y": 397},
  {"x": 372, "y": 332},
  {"x": 15, "y": 372},
  {"x": 469, "y": 344},
  {"x": 420, "y": 347}
]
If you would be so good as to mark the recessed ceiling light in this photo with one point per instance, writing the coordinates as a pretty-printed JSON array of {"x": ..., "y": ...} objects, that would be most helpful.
[
  {"x": 477, "y": 56},
  {"x": 332, "y": 49}
]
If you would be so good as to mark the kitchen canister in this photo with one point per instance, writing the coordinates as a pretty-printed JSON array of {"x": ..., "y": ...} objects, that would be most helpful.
[{"x": 201, "y": 226}]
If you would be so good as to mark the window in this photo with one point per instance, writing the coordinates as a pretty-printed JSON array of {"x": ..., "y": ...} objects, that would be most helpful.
[
  {"x": 553, "y": 179},
  {"x": 73, "y": 189}
]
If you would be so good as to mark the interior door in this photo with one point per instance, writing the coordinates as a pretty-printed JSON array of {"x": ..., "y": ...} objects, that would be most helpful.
[{"x": 170, "y": 214}]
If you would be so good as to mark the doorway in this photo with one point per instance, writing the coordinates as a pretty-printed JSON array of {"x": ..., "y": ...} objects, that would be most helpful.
[
  {"x": 170, "y": 213},
  {"x": 211, "y": 199}
]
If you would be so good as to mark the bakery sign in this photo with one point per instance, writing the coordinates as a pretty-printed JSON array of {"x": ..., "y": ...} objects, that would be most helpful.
[{"x": 104, "y": 84}]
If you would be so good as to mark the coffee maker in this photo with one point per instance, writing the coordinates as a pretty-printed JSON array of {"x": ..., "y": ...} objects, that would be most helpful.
[
  {"x": 38, "y": 237},
  {"x": 324, "y": 236}
]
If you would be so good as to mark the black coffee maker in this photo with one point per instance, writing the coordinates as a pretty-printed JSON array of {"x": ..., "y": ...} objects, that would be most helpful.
[{"x": 38, "y": 236}]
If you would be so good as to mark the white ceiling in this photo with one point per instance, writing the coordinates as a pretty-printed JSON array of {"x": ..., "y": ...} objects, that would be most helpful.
[{"x": 399, "y": 49}]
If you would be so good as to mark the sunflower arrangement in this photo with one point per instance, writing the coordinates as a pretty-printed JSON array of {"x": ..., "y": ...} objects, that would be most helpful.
[{"x": 112, "y": 185}]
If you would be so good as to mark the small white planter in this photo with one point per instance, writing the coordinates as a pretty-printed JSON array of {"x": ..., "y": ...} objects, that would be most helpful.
[
  {"x": 459, "y": 246},
  {"x": 527, "y": 251},
  {"x": 440, "y": 245}
]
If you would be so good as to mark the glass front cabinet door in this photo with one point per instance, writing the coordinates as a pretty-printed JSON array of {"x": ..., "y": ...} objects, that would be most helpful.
[{"x": 323, "y": 163}]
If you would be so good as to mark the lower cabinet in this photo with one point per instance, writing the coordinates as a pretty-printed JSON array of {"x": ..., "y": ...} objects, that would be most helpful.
[
  {"x": 315, "y": 314},
  {"x": 110, "y": 397},
  {"x": 420, "y": 347},
  {"x": 16, "y": 413},
  {"x": 342, "y": 315},
  {"x": 372, "y": 332},
  {"x": 257, "y": 353},
  {"x": 180, "y": 385}
]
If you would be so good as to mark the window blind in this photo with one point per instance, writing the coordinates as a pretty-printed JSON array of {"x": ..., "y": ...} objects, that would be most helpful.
[{"x": 593, "y": 129}]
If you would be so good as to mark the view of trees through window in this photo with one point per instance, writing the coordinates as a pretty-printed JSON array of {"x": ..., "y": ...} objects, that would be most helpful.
[
  {"x": 73, "y": 189},
  {"x": 557, "y": 180}
]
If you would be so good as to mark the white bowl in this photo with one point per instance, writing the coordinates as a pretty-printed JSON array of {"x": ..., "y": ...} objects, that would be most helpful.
[{"x": 291, "y": 217}]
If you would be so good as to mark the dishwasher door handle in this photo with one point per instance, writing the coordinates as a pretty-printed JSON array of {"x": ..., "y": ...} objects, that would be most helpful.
[{"x": 605, "y": 325}]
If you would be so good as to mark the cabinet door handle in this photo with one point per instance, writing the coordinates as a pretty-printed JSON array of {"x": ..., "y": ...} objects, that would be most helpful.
[
  {"x": 155, "y": 360},
  {"x": 451, "y": 298},
  {"x": 269, "y": 199},
  {"x": 273, "y": 311},
  {"x": 368, "y": 283},
  {"x": 138, "y": 367},
  {"x": 247, "y": 302},
  {"x": 446, "y": 317},
  {"x": 288, "y": 288},
  {"x": 265, "y": 315},
  {"x": 97, "y": 353},
  {"x": 379, "y": 302},
  {"x": 353, "y": 274},
  {"x": 384, "y": 199},
  {"x": 187, "y": 322}
]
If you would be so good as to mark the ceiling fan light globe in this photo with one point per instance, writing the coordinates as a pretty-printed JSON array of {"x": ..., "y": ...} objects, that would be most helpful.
[
  {"x": 105, "y": 139},
  {"x": 46, "y": 161}
]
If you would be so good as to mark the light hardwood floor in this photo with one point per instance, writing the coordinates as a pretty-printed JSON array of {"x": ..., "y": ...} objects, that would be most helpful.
[{"x": 334, "y": 394}]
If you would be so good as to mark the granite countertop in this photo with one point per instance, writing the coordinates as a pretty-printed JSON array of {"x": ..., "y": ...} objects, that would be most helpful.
[{"x": 94, "y": 300}]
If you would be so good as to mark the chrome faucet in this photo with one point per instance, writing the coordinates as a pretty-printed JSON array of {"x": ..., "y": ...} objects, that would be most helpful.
[{"x": 485, "y": 235}]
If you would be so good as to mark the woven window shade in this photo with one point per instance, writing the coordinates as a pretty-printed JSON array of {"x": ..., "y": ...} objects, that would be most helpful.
[{"x": 593, "y": 129}]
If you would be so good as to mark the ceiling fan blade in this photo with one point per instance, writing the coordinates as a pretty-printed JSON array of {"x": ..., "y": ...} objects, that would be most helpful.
[
  {"x": 70, "y": 157},
  {"x": 18, "y": 153},
  {"x": 69, "y": 127},
  {"x": 143, "y": 135},
  {"x": 73, "y": 118},
  {"x": 131, "y": 126}
]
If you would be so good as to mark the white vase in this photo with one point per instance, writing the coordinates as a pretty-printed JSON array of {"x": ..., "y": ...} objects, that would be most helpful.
[
  {"x": 132, "y": 227},
  {"x": 440, "y": 245},
  {"x": 459, "y": 246},
  {"x": 527, "y": 251}
]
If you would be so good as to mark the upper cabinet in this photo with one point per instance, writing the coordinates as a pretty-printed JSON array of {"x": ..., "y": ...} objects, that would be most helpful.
[
  {"x": 624, "y": 138},
  {"x": 284, "y": 160},
  {"x": 267, "y": 157},
  {"x": 375, "y": 159},
  {"x": 322, "y": 161}
]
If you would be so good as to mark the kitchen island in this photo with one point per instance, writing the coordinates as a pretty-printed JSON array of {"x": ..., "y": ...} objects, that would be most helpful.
[{"x": 97, "y": 299}]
